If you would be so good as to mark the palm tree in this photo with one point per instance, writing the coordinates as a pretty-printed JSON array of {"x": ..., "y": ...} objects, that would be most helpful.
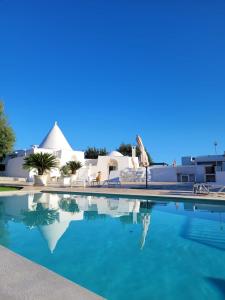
[
  {"x": 42, "y": 162},
  {"x": 64, "y": 170},
  {"x": 73, "y": 166}
]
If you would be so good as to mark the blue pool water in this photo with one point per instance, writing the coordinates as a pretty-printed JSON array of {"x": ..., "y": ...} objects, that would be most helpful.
[{"x": 121, "y": 248}]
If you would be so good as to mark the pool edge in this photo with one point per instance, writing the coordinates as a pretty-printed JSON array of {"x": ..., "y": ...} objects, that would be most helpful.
[{"x": 24, "y": 279}]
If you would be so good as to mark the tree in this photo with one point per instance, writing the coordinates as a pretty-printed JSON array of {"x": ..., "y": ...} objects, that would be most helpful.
[
  {"x": 93, "y": 153},
  {"x": 126, "y": 150},
  {"x": 7, "y": 136},
  {"x": 73, "y": 166},
  {"x": 42, "y": 162}
]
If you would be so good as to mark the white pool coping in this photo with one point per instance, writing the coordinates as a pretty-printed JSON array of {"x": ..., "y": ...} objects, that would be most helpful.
[{"x": 132, "y": 192}]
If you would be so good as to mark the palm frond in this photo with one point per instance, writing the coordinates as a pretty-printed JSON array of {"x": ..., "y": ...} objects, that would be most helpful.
[
  {"x": 42, "y": 162},
  {"x": 73, "y": 166}
]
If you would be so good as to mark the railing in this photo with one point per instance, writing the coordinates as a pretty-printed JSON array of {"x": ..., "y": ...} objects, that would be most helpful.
[{"x": 201, "y": 188}]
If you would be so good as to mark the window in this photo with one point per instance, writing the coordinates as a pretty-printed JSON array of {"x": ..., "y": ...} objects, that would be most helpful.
[
  {"x": 210, "y": 178},
  {"x": 210, "y": 170},
  {"x": 2, "y": 167},
  {"x": 184, "y": 178}
]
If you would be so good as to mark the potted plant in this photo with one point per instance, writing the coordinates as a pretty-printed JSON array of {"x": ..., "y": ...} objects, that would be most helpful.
[
  {"x": 42, "y": 163},
  {"x": 65, "y": 176},
  {"x": 73, "y": 166}
]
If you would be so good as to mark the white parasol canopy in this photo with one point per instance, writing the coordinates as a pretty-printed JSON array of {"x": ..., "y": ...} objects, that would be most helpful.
[{"x": 144, "y": 156}]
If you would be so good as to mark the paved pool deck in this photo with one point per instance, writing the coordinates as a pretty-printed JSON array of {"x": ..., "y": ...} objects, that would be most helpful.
[
  {"x": 23, "y": 279},
  {"x": 159, "y": 189}
]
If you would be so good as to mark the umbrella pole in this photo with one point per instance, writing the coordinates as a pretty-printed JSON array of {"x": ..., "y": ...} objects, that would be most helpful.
[{"x": 146, "y": 177}]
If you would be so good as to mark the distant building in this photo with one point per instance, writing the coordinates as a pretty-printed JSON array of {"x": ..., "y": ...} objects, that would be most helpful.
[{"x": 208, "y": 168}]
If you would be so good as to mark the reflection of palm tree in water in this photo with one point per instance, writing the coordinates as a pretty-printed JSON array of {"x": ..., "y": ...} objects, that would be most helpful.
[
  {"x": 40, "y": 216},
  {"x": 69, "y": 205}
]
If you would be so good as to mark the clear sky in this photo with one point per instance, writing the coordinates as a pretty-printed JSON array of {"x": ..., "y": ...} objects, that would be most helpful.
[{"x": 107, "y": 70}]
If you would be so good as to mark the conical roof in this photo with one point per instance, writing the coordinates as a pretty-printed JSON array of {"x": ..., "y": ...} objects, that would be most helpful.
[{"x": 55, "y": 139}]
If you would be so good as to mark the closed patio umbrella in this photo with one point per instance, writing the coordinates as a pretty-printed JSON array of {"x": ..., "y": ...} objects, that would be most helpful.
[{"x": 144, "y": 157}]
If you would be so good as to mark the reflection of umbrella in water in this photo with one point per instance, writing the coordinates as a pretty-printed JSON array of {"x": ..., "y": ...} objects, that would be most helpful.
[{"x": 145, "y": 222}]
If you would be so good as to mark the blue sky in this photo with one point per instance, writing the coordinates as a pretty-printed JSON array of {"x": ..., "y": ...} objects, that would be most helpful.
[{"x": 107, "y": 70}]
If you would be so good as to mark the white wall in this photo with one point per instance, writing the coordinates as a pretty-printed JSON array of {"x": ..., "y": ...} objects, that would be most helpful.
[
  {"x": 169, "y": 174},
  {"x": 200, "y": 173},
  {"x": 63, "y": 155},
  {"x": 14, "y": 168},
  {"x": 164, "y": 174},
  {"x": 220, "y": 178},
  {"x": 13, "y": 179},
  {"x": 186, "y": 170},
  {"x": 90, "y": 161},
  {"x": 66, "y": 156}
]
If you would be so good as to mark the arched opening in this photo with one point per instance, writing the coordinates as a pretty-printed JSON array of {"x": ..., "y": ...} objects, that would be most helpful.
[{"x": 113, "y": 165}]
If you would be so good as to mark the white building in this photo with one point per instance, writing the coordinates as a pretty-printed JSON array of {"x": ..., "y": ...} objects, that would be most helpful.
[
  {"x": 208, "y": 168},
  {"x": 56, "y": 143}
]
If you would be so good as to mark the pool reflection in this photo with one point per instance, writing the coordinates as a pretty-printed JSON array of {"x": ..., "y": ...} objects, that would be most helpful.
[{"x": 53, "y": 213}]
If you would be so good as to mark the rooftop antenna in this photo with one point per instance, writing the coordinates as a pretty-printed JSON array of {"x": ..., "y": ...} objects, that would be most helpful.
[{"x": 215, "y": 145}]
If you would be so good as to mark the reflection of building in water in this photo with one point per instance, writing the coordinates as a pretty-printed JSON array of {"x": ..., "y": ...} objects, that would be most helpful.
[
  {"x": 204, "y": 207},
  {"x": 53, "y": 232},
  {"x": 112, "y": 207},
  {"x": 218, "y": 209},
  {"x": 52, "y": 213}
]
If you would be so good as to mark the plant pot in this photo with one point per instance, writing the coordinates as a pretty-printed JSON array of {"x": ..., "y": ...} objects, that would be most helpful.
[
  {"x": 73, "y": 178},
  {"x": 65, "y": 181},
  {"x": 40, "y": 180}
]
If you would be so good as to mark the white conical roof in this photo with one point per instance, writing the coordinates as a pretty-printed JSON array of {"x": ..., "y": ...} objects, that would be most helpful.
[{"x": 55, "y": 139}]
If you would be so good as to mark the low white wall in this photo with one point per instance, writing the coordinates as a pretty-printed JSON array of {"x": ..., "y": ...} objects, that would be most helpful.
[
  {"x": 164, "y": 174},
  {"x": 6, "y": 178}
]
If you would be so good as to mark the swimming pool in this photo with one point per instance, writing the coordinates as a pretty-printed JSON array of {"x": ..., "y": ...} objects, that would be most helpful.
[{"x": 121, "y": 248}]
